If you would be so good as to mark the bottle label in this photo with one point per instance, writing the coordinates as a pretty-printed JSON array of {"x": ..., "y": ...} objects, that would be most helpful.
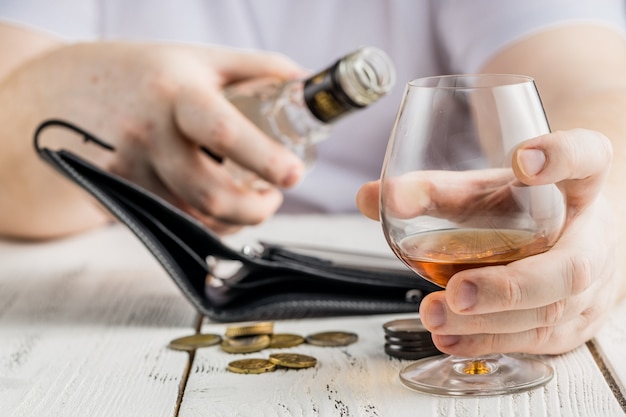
[{"x": 325, "y": 97}]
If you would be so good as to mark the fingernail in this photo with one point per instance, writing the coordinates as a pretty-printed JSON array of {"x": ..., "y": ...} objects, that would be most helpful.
[
  {"x": 447, "y": 340},
  {"x": 436, "y": 314},
  {"x": 531, "y": 161},
  {"x": 467, "y": 296},
  {"x": 292, "y": 177}
]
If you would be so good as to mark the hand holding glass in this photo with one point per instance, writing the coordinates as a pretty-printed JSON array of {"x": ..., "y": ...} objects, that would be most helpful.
[{"x": 450, "y": 201}]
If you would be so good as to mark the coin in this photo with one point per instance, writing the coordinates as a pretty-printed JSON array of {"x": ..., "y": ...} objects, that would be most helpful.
[
  {"x": 334, "y": 338},
  {"x": 412, "y": 355},
  {"x": 293, "y": 360},
  {"x": 404, "y": 326},
  {"x": 409, "y": 348},
  {"x": 285, "y": 340},
  {"x": 410, "y": 342},
  {"x": 251, "y": 366},
  {"x": 250, "y": 329},
  {"x": 406, "y": 329},
  {"x": 245, "y": 344},
  {"x": 189, "y": 343}
]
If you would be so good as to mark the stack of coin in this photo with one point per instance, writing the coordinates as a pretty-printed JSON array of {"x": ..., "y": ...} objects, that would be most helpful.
[
  {"x": 245, "y": 344},
  {"x": 253, "y": 337},
  {"x": 250, "y": 329},
  {"x": 408, "y": 339},
  {"x": 247, "y": 337}
]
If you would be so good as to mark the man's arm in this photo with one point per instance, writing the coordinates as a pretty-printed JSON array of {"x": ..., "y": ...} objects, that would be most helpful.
[
  {"x": 159, "y": 105},
  {"x": 18, "y": 45},
  {"x": 555, "y": 301},
  {"x": 34, "y": 201},
  {"x": 580, "y": 72}
]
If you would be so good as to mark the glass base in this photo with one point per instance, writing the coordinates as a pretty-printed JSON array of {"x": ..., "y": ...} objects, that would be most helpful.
[{"x": 484, "y": 376}]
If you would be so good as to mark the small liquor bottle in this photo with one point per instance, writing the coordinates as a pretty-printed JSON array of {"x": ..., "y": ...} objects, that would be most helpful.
[{"x": 300, "y": 113}]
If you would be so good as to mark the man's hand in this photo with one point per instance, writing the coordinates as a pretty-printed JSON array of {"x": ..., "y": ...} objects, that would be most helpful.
[
  {"x": 547, "y": 303},
  {"x": 158, "y": 105}
]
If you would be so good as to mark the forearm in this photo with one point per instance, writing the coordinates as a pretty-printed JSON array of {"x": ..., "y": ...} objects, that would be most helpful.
[{"x": 35, "y": 201}]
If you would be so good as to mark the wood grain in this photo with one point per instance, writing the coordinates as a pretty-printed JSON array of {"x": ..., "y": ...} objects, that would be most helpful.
[
  {"x": 361, "y": 380},
  {"x": 610, "y": 344},
  {"x": 84, "y": 325}
]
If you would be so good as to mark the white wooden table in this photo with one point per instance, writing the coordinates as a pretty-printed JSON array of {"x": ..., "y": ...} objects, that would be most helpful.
[{"x": 85, "y": 323}]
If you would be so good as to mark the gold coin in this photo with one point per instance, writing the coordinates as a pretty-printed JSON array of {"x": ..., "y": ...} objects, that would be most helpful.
[
  {"x": 293, "y": 360},
  {"x": 245, "y": 344},
  {"x": 332, "y": 339},
  {"x": 251, "y": 366},
  {"x": 285, "y": 340},
  {"x": 195, "y": 341},
  {"x": 250, "y": 329}
]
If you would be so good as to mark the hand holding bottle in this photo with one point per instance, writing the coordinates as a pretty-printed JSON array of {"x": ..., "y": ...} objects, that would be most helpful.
[
  {"x": 300, "y": 113},
  {"x": 158, "y": 105}
]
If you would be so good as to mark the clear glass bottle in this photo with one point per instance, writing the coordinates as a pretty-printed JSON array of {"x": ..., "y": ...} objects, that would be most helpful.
[{"x": 301, "y": 113}]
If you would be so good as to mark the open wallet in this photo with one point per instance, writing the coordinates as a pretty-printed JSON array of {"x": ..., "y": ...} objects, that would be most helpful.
[{"x": 269, "y": 281}]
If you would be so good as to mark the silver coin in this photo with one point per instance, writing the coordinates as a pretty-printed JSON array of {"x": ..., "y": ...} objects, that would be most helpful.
[
  {"x": 410, "y": 355},
  {"x": 422, "y": 342},
  {"x": 406, "y": 329},
  {"x": 409, "y": 348}
]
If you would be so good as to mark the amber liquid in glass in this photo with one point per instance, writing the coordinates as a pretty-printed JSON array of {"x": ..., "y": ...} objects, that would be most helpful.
[{"x": 440, "y": 254}]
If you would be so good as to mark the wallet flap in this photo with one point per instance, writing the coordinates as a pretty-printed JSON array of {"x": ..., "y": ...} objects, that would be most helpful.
[
  {"x": 272, "y": 283},
  {"x": 179, "y": 261}
]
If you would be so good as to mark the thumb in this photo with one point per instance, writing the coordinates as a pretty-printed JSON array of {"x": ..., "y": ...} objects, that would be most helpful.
[
  {"x": 577, "y": 160},
  {"x": 367, "y": 199},
  {"x": 236, "y": 65}
]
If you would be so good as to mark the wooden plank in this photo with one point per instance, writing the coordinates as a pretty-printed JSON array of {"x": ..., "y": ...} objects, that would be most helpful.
[
  {"x": 361, "y": 380},
  {"x": 610, "y": 344},
  {"x": 84, "y": 324}
]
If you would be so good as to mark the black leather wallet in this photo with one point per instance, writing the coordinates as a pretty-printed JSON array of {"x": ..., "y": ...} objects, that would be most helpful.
[{"x": 270, "y": 282}]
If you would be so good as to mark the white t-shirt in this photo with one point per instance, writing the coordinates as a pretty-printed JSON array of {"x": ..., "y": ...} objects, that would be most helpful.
[{"x": 423, "y": 37}]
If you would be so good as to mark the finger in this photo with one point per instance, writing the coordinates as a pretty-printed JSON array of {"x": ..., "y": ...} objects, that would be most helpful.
[
  {"x": 579, "y": 154},
  {"x": 201, "y": 183},
  {"x": 543, "y": 340},
  {"x": 209, "y": 120},
  {"x": 143, "y": 174},
  {"x": 220, "y": 227},
  {"x": 570, "y": 267},
  {"x": 532, "y": 282},
  {"x": 367, "y": 199},
  {"x": 239, "y": 65},
  {"x": 448, "y": 194},
  {"x": 439, "y": 319}
]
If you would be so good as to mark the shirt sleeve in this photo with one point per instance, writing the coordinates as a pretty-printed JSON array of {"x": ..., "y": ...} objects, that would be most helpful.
[
  {"x": 68, "y": 19},
  {"x": 473, "y": 31}
]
